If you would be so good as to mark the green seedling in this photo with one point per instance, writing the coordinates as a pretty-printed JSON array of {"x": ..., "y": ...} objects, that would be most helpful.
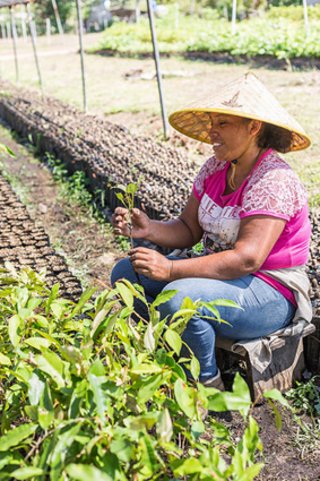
[{"x": 127, "y": 197}]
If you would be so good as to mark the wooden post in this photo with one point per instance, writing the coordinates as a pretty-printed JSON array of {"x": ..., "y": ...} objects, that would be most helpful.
[
  {"x": 48, "y": 30},
  {"x": 57, "y": 16},
  {"x": 192, "y": 7},
  {"x": 3, "y": 30},
  {"x": 177, "y": 13},
  {"x": 23, "y": 28},
  {"x": 157, "y": 64},
  {"x": 80, "y": 33},
  {"x": 137, "y": 9},
  {"x": 234, "y": 16},
  {"x": 306, "y": 17},
  {"x": 14, "y": 40},
  {"x": 8, "y": 28},
  {"x": 33, "y": 34}
]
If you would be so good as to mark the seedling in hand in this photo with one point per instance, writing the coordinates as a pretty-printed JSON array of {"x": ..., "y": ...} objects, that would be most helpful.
[{"x": 126, "y": 197}]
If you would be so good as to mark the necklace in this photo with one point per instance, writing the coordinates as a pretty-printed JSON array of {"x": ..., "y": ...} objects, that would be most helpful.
[{"x": 233, "y": 164}]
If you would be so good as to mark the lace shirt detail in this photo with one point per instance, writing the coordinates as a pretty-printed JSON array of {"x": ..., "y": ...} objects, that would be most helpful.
[
  {"x": 275, "y": 188},
  {"x": 210, "y": 167}
]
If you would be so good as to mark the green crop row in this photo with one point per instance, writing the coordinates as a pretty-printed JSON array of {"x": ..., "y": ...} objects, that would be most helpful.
[
  {"x": 269, "y": 35},
  {"x": 88, "y": 393}
]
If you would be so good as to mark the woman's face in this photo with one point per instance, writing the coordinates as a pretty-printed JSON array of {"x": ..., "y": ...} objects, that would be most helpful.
[{"x": 231, "y": 136}]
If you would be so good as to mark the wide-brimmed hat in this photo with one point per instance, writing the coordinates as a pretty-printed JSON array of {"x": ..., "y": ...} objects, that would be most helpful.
[{"x": 246, "y": 97}]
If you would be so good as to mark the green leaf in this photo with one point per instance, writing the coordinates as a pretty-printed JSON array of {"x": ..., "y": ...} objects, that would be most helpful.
[
  {"x": 4, "y": 360},
  {"x": 237, "y": 400},
  {"x": 140, "y": 423},
  {"x": 163, "y": 297},
  {"x": 122, "y": 448},
  {"x": 277, "y": 415},
  {"x": 98, "y": 320},
  {"x": 276, "y": 395},
  {"x": 189, "y": 466},
  {"x": 100, "y": 397},
  {"x": 165, "y": 428},
  {"x": 125, "y": 294},
  {"x": 61, "y": 449},
  {"x": 84, "y": 472},
  {"x": 82, "y": 301},
  {"x": 51, "y": 364},
  {"x": 38, "y": 342},
  {"x": 149, "y": 340},
  {"x": 197, "y": 428},
  {"x": 185, "y": 398},
  {"x": 251, "y": 473},
  {"x": 14, "y": 437},
  {"x": 174, "y": 340},
  {"x": 149, "y": 461},
  {"x": 36, "y": 388},
  {"x": 132, "y": 188},
  {"x": 120, "y": 196},
  {"x": 195, "y": 367},
  {"x": 14, "y": 324},
  {"x": 148, "y": 388},
  {"x": 26, "y": 473},
  {"x": 210, "y": 307},
  {"x": 7, "y": 150},
  {"x": 144, "y": 368},
  {"x": 226, "y": 303}
]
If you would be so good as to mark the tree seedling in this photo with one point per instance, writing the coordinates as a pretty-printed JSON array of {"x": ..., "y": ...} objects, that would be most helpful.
[{"x": 126, "y": 197}]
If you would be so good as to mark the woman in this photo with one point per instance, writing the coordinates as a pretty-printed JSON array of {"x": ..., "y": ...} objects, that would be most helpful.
[{"x": 250, "y": 210}]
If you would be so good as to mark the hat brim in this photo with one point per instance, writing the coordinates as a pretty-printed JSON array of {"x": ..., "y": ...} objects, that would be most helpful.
[{"x": 195, "y": 123}]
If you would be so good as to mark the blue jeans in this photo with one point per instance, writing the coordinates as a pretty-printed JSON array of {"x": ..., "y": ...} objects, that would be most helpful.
[{"x": 264, "y": 309}]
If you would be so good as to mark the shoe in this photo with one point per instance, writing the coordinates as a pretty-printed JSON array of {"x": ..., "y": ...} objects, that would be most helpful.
[{"x": 215, "y": 382}]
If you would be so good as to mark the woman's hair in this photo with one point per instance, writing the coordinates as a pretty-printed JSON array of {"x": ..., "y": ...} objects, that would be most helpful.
[{"x": 277, "y": 138}]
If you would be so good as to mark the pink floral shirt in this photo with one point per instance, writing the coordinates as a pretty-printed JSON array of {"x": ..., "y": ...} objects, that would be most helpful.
[{"x": 272, "y": 188}]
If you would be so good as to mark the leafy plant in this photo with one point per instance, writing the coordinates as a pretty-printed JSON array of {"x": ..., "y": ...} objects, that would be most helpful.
[
  {"x": 86, "y": 393},
  {"x": 305, "y": 396},
  {"x": 253, "y": 37}
]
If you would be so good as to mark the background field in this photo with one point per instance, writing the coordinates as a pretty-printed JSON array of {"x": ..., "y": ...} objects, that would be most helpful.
[{"x": 125, "y": 90}]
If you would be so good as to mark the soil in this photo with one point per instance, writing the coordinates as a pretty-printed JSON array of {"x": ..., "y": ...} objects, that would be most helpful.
[
  {"x": 255, "y": 61},
  {"x": 89, "y": 249},
  {"x": 24, "y": 244},
  {"x": 285, "y": 458}
]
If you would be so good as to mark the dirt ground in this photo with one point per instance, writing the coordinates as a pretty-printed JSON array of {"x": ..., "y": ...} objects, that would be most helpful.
[
  {"x": 126, "y": 92},
  {"x": 89, "y": 247}
]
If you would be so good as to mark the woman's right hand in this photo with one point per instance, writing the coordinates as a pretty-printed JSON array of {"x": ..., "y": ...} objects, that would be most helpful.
[{"x": 141, "y": 223}]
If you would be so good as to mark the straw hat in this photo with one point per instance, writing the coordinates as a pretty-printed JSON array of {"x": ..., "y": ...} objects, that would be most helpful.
[{"x": 245, "y": 97}]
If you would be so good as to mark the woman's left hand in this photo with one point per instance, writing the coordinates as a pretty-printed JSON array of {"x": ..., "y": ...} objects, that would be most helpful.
[{"x": 151, "y": 263}]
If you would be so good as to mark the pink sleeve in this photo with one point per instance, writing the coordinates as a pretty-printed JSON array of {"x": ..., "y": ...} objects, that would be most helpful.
[
  {"x": 277, "y": 192},
  {"x": 211, "y": 166}
]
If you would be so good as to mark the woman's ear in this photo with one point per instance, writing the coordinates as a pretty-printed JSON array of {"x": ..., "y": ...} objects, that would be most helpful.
[{"x": 255, "y": 127}]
